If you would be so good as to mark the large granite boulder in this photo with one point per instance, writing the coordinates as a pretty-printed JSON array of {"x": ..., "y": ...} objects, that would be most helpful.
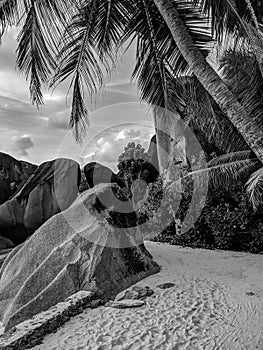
[
  {"x": 13, "y": 174},
  {"x": 52, "y": 188},
  {"x": 94, "y": 245},
  {"x": 97, "y": 173},
  {"x": 152, "y": 153}
]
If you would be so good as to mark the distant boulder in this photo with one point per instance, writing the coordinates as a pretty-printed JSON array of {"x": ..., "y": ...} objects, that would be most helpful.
[
  {"x": 94, "y": 246},
  {"x": 5, "y": 243},
  {"x": 13, "y": 174},
  {"x": 153, "y": 154},
  {"x": 52, "y": 188},
  {"x": 97, "y": 173}
]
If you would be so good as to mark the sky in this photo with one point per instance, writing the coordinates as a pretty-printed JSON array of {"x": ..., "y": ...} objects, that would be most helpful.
[{"x": 40, "y": 135}]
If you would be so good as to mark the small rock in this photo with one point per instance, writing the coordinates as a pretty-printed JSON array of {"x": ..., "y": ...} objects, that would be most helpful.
[
  {"x": 93, "y": 304},
  {"x": 143, "y": 291},
  {"x": 125, "y": 304},
  {"x": 137, "y": 292},
  {"x": 250, "y": 294},
  {"x": 139, "y": 288},
  {"x": 166, "y": 285},
  {"x": 129, "y": 294}
]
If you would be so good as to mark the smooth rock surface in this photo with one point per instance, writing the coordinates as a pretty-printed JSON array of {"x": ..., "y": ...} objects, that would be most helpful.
[
  {"x": 125, "y": 304},
  {"x": 97, "y": 173},
  {"x": 52, "y": 188},
  {"x": 136, "y": 293},
  {"x": 13, "y": 174},
  {"x": 91, "y": 246},
  {"x": 32, "y": 331}
]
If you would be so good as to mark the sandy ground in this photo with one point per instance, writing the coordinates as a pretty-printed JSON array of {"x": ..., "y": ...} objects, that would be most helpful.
[{"x": 216, "y": 303}]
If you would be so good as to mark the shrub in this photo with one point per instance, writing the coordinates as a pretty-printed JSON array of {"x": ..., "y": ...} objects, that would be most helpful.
[
  {"x": 133, "y": 165},
  {"x": 83, "y": 183},
  {"x": 227, "y": 222}
]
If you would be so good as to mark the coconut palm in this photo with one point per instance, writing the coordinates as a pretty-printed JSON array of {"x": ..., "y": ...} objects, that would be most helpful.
[
  {"x": 79, "y": 40},
  {"x": 211, "y": 81},
  {"x": 240, "y": 71}
]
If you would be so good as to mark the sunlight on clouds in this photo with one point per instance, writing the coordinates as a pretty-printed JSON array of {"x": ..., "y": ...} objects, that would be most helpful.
[
  {"x": 108, "y": 145},
  {"x": 48, "y": 126},
  {"x": 55, "y": 97},
  {"x": 20, "y": 145},
  {"x": 121, "y": 135}
]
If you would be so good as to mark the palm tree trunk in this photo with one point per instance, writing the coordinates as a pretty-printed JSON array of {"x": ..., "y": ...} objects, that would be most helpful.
[{"x": 210, "y": 79}]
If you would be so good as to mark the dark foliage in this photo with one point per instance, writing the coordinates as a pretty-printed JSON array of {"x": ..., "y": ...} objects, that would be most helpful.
[
  {"x": 134, "y": 165},
  {"x": 227, "y": 222}
]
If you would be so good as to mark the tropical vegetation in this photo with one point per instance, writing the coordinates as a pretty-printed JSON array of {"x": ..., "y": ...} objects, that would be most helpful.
[
  {"x": 198, "y": 61},
  {"x": 77, "y": 41}
]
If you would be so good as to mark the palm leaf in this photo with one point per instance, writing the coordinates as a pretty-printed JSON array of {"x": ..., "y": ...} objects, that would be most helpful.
[
  {"x": 255, "y": 188},
  {"x": 33, "y": 55},
  {"x": 54, "y": 16},
  {"x": 112, "y": 17},
  {"x": 228, "y": 16},
  {"x": 85, "y": 55},
  {"x": 38, "y": 41},
  {"x": 11, "y": 12},
  {"x": 233, "y": 166},
  {"x": 203, "y": 116},
  {"x": 158, "y": 59},
  {"x": 242, "y": 74},
  {"x": 225, "y": 169}
]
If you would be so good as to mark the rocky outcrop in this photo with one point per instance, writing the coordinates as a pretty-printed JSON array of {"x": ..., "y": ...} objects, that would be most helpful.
[
  {"x": 93, "y": 246},
  {"x": 13, "y": 174},
  {"x": 97, "y": 173},
  {"x": 5, "y": 243},
  {"x": 32, "y": 331},
  {"x": 152, "y": 153},
  {"x": 3, "y": 254},
  {"x": 52, "y": 188}
]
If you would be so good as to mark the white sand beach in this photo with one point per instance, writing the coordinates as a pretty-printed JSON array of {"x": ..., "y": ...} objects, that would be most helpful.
[{"x": 216, "y": 303}]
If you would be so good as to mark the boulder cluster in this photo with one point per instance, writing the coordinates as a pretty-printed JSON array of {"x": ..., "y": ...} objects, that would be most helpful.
[{"x": 56, "y": 241}]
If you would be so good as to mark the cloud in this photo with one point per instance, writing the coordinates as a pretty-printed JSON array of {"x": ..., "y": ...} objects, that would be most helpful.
[
  {"x": 108, "y": 145},
  {"x": 20, "y": 145},
  {"x": 129, "y": 134},
  {"x": 59, "y": 121},
  {"x": 116, "y": 105},
  {"x": 15, "y": 114}
]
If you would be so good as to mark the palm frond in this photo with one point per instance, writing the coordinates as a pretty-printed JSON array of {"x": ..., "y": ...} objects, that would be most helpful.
[
  {"x": 255, "y": 188},
  {"x": 229, "y": 168},
  {"x": 54, "y": 16},
  {"x": 225, "y": 173},
  {"x": 204, "y": 117},
  {"x": 241, "y": 72},
  {"x": 112, "y": 18},
  {"x": 34, "y": 57},
  {"x": 228, "y": 16},
  {"x": 78, "y": 109},
  {"x": 229, "y": 172},
  {"x": 79, "y": 61},
  {"x": 158, "y": 59},
  {"x": 38, "y": 41},
  {"x": 85, "y": 55},
  {"x": 11, "y": 12},
  {"x": 233, "y": 166},
  {"x": 225, "y": 170},
  {"x": 252, "y": 14}
]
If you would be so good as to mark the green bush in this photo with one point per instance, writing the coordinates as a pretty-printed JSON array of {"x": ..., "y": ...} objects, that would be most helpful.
[{"x": 227, "y": 222}]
